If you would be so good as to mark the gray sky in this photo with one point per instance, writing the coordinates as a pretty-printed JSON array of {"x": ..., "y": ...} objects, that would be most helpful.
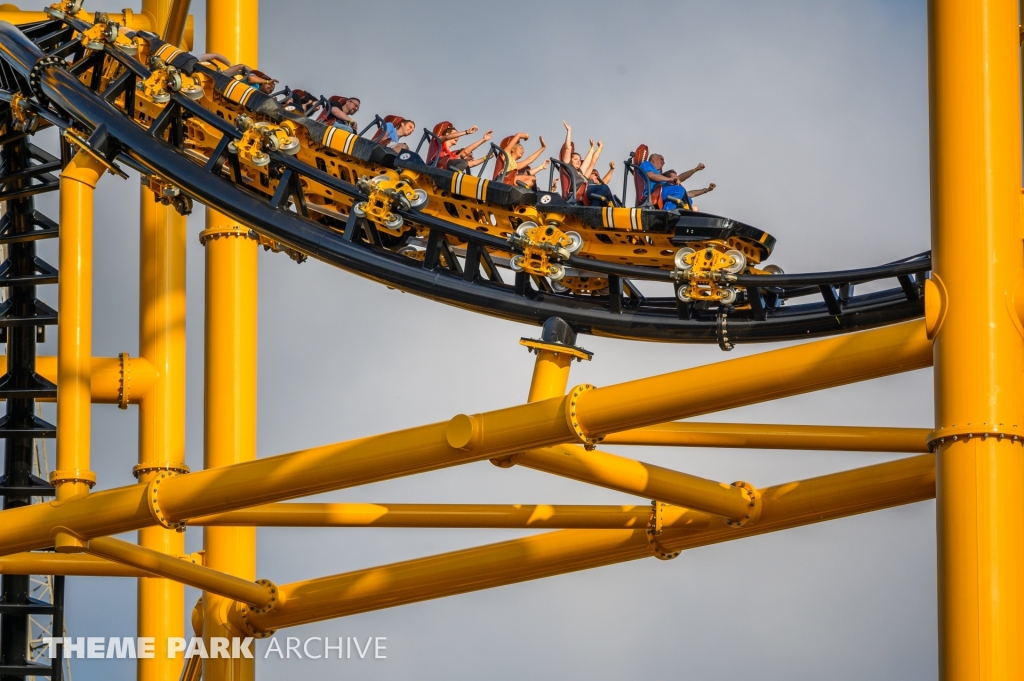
[{"x": 812, "y": 119}]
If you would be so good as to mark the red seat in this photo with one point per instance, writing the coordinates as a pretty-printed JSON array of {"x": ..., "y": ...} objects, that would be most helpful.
[
  {"x": 641, "y": 155},
  {"x": 436, "y": 146},
  {"x": 581, "y": 195},
  {"x": 500, "y": 161},
  {"x": 656, "y": 201},
  {"x": 564, "y": 182}
]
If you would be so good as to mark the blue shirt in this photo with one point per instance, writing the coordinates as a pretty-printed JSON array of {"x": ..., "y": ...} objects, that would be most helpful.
[
  {"x": 390, "y": 132},
  {"x": 675, "y": 196},
  {"x": 648, "y": 167}
]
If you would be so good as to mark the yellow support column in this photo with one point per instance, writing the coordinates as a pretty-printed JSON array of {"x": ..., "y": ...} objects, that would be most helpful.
[
  {"x": 978, "y": 351},
  {"x": 555, "y": 350},
  {"x": 230, "y": 369},
  {"x": 74, "y": 334},
  {"x": 161, "y": 602}
]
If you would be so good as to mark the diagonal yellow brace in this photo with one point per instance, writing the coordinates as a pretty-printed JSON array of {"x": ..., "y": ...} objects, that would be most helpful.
[
  {"x": 644, "y": 479},
  {"x": 164, "y": 565},
  {"x": 552, "y": 553},
  {"x": 789, "y": 371}
]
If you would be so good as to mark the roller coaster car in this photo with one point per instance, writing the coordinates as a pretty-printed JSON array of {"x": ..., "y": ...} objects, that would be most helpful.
[
  {"x": 641, "y": 236},
  {"x": 309, "y": 188}
]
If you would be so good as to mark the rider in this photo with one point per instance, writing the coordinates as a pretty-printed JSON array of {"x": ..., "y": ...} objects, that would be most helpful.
[
  {"x": 464, "y": 157},
  {"x": 339, "y": 112},
  {"x": 249, "y": 75},
  {"x": 595, "y": 176},
  {"x": 676, "y": 197},
  {"x": 518, "y": 169},
  {"x": 652, "y": 168},
  {"x": 395, "y": 131},
  {"x": 302, "y": 101},
  {"x": 458, "y": 159},
  {"x": 581, "y": 168}
]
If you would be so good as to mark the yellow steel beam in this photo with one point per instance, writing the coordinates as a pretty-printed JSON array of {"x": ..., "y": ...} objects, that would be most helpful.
[
  {"x": 790, "y": 505},
  {"x": 772, "y": 436},
  {"x": 73, "y": 564},
  {"x": 159, "y": 563},
  {"x": 643, "y": 479},
  {"x": 177, "y": 15},
  {"x": 550, "y": 375},
  {"x": 161, "y": 601},
  {"x": 746, "y": 380},
  {"x": 977, "y": 273},
  {"x": 526, "y": 516},
  {"x": 72, "y": 475},
  {"x": 464, "y": 439},
  {"x": 108, "y": 373},
  {"x": 232, "y": 288}
]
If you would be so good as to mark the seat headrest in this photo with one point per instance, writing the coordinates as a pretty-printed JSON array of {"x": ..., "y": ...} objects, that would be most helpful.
[
  {"x": 441, "y": 127},
  {"x": 641, "y": 154},
  {"x": 505, "y": 141}
]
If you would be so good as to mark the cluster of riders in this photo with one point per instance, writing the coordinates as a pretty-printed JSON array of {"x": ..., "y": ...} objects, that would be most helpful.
[{"x": 578, "y": 176}]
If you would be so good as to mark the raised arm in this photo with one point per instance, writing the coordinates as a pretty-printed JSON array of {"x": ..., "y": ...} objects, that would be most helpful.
[
  {"x": 215, "y": 56},
  {"x": 535, "y": 155},
  {"x": 235, "y": 70},
  {"x": 591, "y": 160},
  {"x": 611, "y": 171},
  {"x": 516, "y": 139},
  {"x": 683, "y": 177},
  {"x": 699, "y": 192},
  {"x": 535, "y": 171},
  {"x": 565, "y": 155},
  {"x": 468, "y": 151},
  {"x": 455, "y": 134}
]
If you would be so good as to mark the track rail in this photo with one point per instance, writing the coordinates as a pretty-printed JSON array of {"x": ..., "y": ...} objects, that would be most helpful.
[{"x": 34, "y": 63}]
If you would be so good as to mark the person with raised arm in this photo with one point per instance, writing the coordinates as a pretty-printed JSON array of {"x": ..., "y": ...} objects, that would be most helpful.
[
  {"x": 458, "y": 159},
  {"x": 518, "y": 168},
  {"x": 675, "y": 196}
]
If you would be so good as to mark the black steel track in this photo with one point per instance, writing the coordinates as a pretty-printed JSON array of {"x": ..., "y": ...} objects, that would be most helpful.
[{"x": 767, "y": 308}]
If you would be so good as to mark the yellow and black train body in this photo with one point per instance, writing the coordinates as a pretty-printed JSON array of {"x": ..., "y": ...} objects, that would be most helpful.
[{"x": 315, "y": 190}]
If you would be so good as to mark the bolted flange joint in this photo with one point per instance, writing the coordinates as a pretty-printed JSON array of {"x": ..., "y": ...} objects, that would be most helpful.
[
  {"x": 153, "y": 501},
  {"x": 571, "y": 400},
  {"x": 124, "y": 392},
  {"x": 954, "y": 433},
  {"x": 654, "y": 529},
  {"x": 235, "y": 230},
  {"x": 241, "y": 614},
  {"x": 66, "y": 475},
  {"x": 753, "y": 507},
  {"x": 143, "y": 468}
]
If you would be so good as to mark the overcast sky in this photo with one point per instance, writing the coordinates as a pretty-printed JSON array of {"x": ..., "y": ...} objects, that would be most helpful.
[{"x": 812, "y": 120}]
